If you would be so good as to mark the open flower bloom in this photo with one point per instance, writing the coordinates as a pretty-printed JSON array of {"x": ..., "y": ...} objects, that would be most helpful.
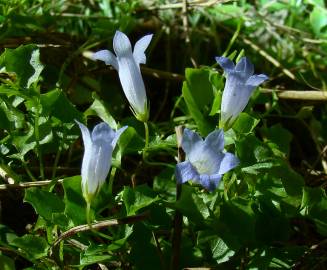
[
  {"x": 98, "y": 148},
  {"x": 127, "y": 63},
  {"x": 239, "y": 86},
  {"x": 205, "y": 160}
]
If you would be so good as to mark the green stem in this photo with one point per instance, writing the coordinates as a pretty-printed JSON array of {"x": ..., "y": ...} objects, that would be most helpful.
[
  {"x": 234, "y": 37},
  {"x": 88, "y": 217},
  {"x": 29, "y": 173},
  {"x": 55, "y": 165},
  {"x": 89, "y": 222},
  {"x": 146, "y": 128},
  {"x": 146, "y": 131},
  {"x": 37, "y": 139},
  {"x": 111, "y": 179}
]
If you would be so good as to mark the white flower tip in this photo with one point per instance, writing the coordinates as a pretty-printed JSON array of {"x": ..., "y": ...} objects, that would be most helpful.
[
  {"x": 121, "y": 44},
  {"x": 140, "y": 46},
  {"x": 225, "y": 63},
  {"x": 88, "y": 55}
]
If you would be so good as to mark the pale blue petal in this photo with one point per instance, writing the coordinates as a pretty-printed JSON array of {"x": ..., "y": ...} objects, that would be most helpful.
[
  {"x": 117, "y": 135},
  {"x": 256, "y": 80},
  {"x": 228, "y": 162},
  {"x": 98, "y": 165},
  {"x": 140, "y": 47},
  {"x": 225, "y": 63},
  {"x": 210, "y": 182},
  {"x": 87, "y": 157},
  {"x": 122, "y": 45},
  {"x": 204, "y": 158},
  {"x": 232, "y": 102},
  {"x": 190, "y": 138},
  {"x": 85, "y": 135},
  {"x": 184, "y": 172},
  {"x": 215, "y": 140},
  {"x": 133, "y": 85},
  {"x": 107, "y": 57},
  {"x": 103, "y": 133},
  {"x": 245, "y": 67}
]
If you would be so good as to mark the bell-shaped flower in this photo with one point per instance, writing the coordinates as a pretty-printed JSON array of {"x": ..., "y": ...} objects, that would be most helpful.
[
  {"x": 127, "y": 63},
  {"x": 239, "y": 86},
  {"x": 98, "y": 148},
  {"x": 205, "y": 160}
]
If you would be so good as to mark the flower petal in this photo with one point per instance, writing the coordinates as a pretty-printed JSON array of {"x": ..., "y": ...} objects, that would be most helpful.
[
  {"x": 184, "y": 172},
  {"x": 225, "y": 63},
  {"x": 204, "y": 158},
  {"x": 190, "y": 138},
  {"x": 85, "y": 135},
  {"x": 107, "y": 57},
  {"x": 140, "y": 47},
  {"x": 245, "y": 66},
  {"x": 117, "y": 135},
  {"x": 210, "y": 182},
  {"x": 122, "y": 45},
  {"x": 98, "y": 165},
  {"x": 102, "y": 133},
  {"x": 87, "y": 157},
  {"x": 215, "y": 140},
  {"x": 133, "y": 85},
  {"x": 255, "y": 80},
  {"x": 228, "y": 162},
  {"x": 233, "y": 101}
]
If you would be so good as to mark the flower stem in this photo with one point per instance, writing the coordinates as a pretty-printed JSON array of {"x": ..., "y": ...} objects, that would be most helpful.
[
  {"x": 88, "y": 210},
  {"x": 146, "y": 129},
  {"x": 178, "y": 219},
  {"x": 37, "y": 139},
  {"x": 89, "y": 222},
  {"x": 146, "y": 134},
  {"x": 111, "y": 179}
]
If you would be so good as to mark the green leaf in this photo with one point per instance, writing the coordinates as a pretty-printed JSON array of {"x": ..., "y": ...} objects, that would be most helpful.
[
  {"x": 143, "y": 254},
  {"x": 292, "y": 181},
  {"x": 274, "y": 135},
  {"x": 6, "y": 235},
  {"x": 95, "y": 254},
  {"x": 220, "y": 251},
  {"x": 318, "y": 19},
  {"x": 99, "y": 108},
  {"x": 245, "y": 123},
  {"x": 259, "y": 167},
  {"x": 216, "y": 80},
  {"x": 138, "y": 198},
  {"x": 198, "y": 95},
  {"x": 250, "y": 150},
  {"x": 45, "y": 203},
  {"x": 24, "y": 142},
  {"x": 25, "y": 62},
  {"x": 238, "y": 217},
  {"x": 6, "y": 263},
  {"x": 56, "y": 104},
  {"x": 118, "y": 244},
  {"x": 4, "y": 121},
  {"x": 314, "y": 204},
  {"x": 34, "y": 246},
  {"x": 15, "y": 117},
  {"x": 271, "y": 225},
  {"x": 74, "y": 202},
  {"x": 191, "y": 205}
]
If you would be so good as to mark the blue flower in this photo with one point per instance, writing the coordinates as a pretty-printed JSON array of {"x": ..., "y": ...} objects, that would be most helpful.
[
  {"x": 239, "y": 86},
  {"x": 205, "y": 160},
  {"x": 127, "y": 63},
  {"x": 98, "y": 148}
]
